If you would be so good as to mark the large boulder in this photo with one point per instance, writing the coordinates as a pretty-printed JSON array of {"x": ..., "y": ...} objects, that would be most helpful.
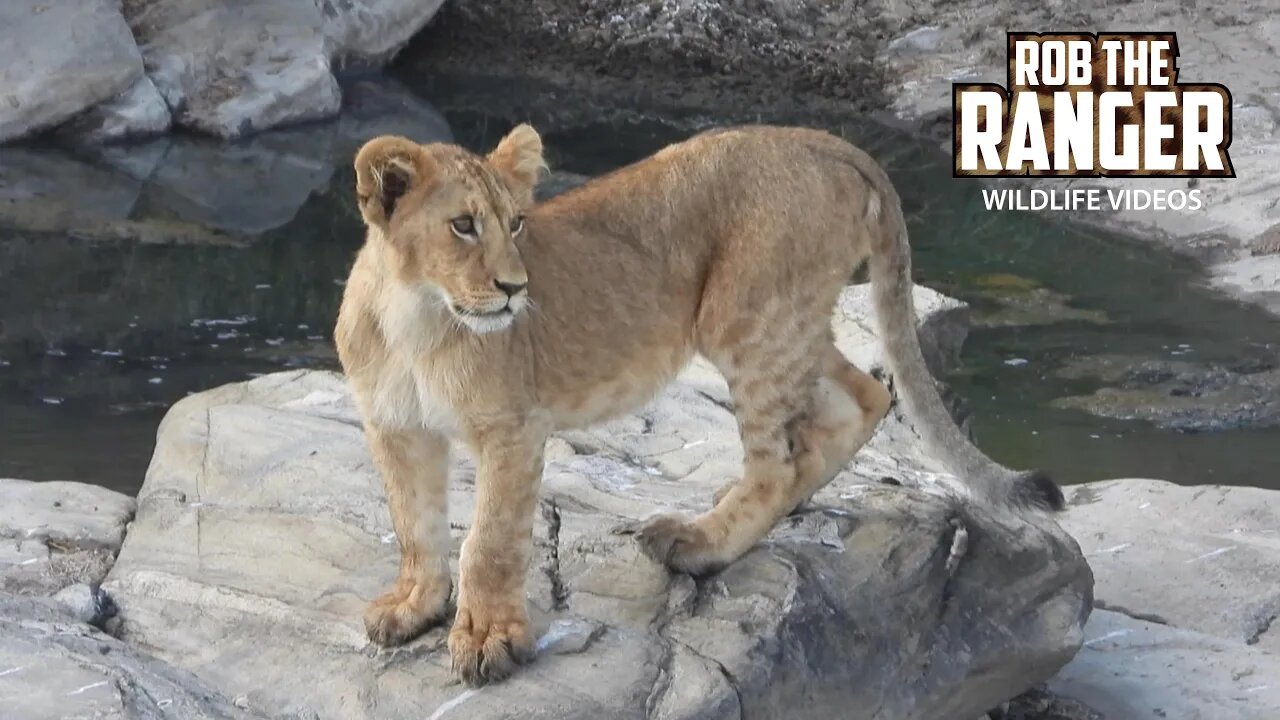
[
  {"x": 1188, "y": 589},
  {"x": 229, "y": 69},
  {"x": 55, "y": 534},
  {"x": 262, "y": 531},
  {"x": 232, "y": 68},
  {"x": 59, "y": 59}
]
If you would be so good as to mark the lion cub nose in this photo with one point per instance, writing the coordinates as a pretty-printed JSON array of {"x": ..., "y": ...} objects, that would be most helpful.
[{"x": 509, "y": 288}]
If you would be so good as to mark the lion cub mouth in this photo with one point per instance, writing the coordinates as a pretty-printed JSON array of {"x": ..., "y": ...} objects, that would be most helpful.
[{"x": 485, "y": 321}]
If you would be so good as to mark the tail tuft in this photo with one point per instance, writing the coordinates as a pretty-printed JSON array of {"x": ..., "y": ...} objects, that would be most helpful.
[{"x": 1036, "y": 489}]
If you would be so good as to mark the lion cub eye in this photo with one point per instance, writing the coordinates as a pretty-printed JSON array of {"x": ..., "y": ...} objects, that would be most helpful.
[
  {"x": 517, "y": 224},
  {"x": 464, "y": 227}
]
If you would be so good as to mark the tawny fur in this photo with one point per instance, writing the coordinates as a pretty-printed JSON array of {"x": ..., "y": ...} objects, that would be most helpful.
[{"x": 734, "y": 244}]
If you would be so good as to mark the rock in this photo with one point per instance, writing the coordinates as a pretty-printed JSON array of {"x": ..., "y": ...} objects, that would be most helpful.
[
  {"x": 135, "y": 113},
  {"x": 1018, "y": 302},
  {"x": 1135, "y": 669},
  {"x": 229, "y": 69},
  {"x": 1267, "y": 242},
  {"x": 1202, "y": 559},
  {"x": 59, "y": 59},
  {"x": 54, "y": 668},
  {"x": 262, "y": 532},
  {"x": 921, "y": 40},
  {"x": 829, "y": 47},
  {"x": 87, "y": 603},
  {"x": 370, "y": 32},
  {"x": 55, "y": 534},
  {"x": 1187, "y": 589},
  {"x": 1180, "y": 395}
]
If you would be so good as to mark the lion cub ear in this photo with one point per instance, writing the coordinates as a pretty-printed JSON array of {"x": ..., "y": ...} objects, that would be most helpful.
[
  {"x": 387, "y": 167},
  {"x": 519, "y": 157}
]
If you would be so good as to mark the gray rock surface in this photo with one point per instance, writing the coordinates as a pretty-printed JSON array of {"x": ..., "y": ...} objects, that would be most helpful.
[
  {"x": 60, "y": 58},
  {"x": 262, "y": 532},
  {"x": 827, "y": 47},
  {"x": 230, "y": 69},
  {"x": 369, "y": 32},
  {"x": 1205, "y": 559},
  {"x": 1134, "y": 669},
  {"x": 53, "y": 667},
  {"x": 55, "y": 534},
  {"x": 1188, "y": 587},
  {"x": 137, "y": 112}
]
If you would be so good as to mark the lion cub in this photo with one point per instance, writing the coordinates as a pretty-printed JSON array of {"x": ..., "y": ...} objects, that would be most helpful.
[{"x": 734, "y": 244}]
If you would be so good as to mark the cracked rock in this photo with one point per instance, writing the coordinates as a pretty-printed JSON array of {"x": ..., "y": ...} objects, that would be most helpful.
[
  {"x": 263, "y": 532},
  {"x": 57, "y": 534},
  {"x": 53, "y": 667},
  {"x": 1203, "y": 559}
]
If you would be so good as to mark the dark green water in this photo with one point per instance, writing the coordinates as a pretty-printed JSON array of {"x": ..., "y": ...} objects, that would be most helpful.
[{"x": 98, "y": 336}]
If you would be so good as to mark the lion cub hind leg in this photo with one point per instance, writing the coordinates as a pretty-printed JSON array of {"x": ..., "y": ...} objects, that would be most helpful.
[
  {"x": 414, "y": 465},
  {"x": 770, "y": 379},
  {"x": 848, "y": 405}
]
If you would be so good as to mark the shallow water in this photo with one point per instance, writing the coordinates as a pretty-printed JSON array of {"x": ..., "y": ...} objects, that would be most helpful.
[{"x": 98, "y": 335}]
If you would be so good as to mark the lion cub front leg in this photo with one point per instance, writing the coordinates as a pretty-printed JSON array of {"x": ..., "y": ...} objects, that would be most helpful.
[
  {"x": 490, "y": 634},
  {"x": 415, "y": 470}
]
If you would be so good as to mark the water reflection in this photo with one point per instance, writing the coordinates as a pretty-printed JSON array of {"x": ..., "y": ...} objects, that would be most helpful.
[{"x": 133, "y": 276}]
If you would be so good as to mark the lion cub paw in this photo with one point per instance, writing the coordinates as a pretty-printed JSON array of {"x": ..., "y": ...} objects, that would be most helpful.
[
  {"x": 488, "y": 642},
  {"x": 406, "y": 611},
  {"x": 680, "y": 544}
]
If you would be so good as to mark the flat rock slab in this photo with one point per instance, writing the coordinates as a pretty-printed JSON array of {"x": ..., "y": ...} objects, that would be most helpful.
[
  {"x": 54, "y": 534},
  {"x": 262, "y": 532},
  {"x": 1134, "y": 670},
  {"x": 1205, "y": 559}
]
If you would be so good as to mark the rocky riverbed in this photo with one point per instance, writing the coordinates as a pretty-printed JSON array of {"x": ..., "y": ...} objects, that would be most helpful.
[{"x": 261, "y": 531}]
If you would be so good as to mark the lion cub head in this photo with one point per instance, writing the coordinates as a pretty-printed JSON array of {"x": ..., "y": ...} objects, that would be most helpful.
[{"x": 451, "y": 219}]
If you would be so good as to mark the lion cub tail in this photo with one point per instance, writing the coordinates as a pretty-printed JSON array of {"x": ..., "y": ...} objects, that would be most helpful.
[{"x": 890, "y": 265}]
